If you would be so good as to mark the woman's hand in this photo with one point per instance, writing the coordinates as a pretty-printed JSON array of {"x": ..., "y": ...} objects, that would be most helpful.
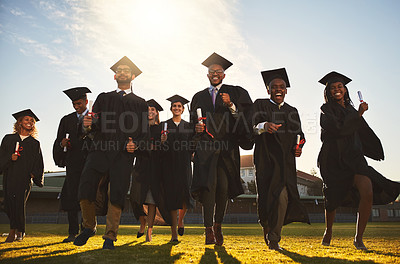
[
  {"x": 14, "y": 157},
  {"x": 362, "y": 108}
]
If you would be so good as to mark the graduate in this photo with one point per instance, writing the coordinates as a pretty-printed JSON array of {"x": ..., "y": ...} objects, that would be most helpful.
[
  {"x": 21, "y": 162},
  {"x": 117, "y": 126},
  {"x": 219, "y": 116},
  {"x": 69, "y": 152},
  {"x": 346, "y": 139},
  {"x": 177, "y": 168},
  {"x": 278, "y": 141},
  {"x": 146, "y": 188}
]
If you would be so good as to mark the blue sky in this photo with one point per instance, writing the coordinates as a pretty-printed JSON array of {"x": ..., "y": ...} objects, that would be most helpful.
[{"x": 49, "y": 46}]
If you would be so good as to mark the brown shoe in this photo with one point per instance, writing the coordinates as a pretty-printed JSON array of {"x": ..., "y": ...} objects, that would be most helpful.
[
  {"x": 360, "y": 245},
  {"x": 273, "y": 245},
  {"x": 11, "y": 236},
  {"x": 219, "y": 238},
  {"x": 326, "y": 239},
  {"x": 210, "y": 239}
]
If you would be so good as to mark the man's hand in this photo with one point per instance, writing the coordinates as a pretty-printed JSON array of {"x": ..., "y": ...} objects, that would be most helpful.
[
  {"x": 14, "y": 157},
  {"x": 297, "y": 151},
  {"x": 163, "y": 137},
  {"x": 271, "y": 127},
  {"x": 87, "y": 121},
  {"x": 199, "y": 128},
  {"x": 362, "y": 108},
  {"x": 130, "y": 147},
  {"x": 64, "y": 142},
  {"x": 226, "y": 99}
]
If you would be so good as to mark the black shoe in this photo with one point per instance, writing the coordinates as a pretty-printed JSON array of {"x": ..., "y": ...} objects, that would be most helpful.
[
  {"x": 181, "y": 230},
  {"x": 84, "y": 236},
  {"x": 108, "y": 244},
  {"x": 70, "y": 238},
  {"x": 139, "y": 234}
]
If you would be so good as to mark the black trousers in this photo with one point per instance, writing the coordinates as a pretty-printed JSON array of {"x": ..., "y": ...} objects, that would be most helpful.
[
  {"x": 215, "y": 200},
  {"x": 73, "y": 222}
]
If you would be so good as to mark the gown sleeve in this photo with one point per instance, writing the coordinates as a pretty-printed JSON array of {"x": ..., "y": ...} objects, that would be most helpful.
[
  {"x": 58, "y": 152},
  {"x": 331, "y": 122},
  {"x": 38, "y": 167},
  {"x": 5, "y": 154}
]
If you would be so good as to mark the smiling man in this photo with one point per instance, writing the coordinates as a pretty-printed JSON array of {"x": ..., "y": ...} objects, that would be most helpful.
[
  {"x": 216, "y": 174},
  {"x": 68, "y": 152},
  {"x": 277, "y": 127},
  {"x": 118, "y": 124}
]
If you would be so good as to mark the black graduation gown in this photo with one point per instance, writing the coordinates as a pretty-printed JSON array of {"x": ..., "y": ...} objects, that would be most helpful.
[
  {"x": 346, "y": 139},
  {"x": 73, "y": 159},
  {"x": 116, "y": 118},
  {"x": 177, "y": 168},
  {"x": 228, "y": 134},
  {"x": 17, "y": 181},
  {"x": 276, "y": 164},
  {"x": 147, "y": 175}
]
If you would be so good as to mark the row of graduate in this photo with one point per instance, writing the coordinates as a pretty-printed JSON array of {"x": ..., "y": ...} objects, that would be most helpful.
[{"x": 98, "y": 151}]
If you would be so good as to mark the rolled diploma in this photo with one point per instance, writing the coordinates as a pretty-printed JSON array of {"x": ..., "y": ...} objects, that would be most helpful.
[
  {"x": 66, "y": 136},
  {"x": 199, "y": 115},
  {"x": 298, "y": 140},
  {"x": 165, "y": 128},
  {"x": 90, "y": 107},
  {"x": 16, "y": 147},
  {"x": 360, "y": 96}
]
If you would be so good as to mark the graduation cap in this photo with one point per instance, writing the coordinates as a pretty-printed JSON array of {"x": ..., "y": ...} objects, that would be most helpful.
[
  {"x": 333, "y": 77},
  {"x": 126, "y": 61},
  {"x": 178, "y": 98},
  {"x": 270, "y": 75},
  {"x": 77, "y": 93},
  {"x": 153, "y": 103},
  {"x": 217, "y": 59},
  {"x": 26, "y": 112}
]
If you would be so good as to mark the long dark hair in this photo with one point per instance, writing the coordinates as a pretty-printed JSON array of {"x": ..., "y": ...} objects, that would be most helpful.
[{"x": 328, "y": 97}]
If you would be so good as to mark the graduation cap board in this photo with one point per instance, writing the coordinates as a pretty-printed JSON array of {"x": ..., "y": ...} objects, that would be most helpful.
[
  {"x": 26, "y": 112},
  {"x": 178, "y": 98},
  {"x": 217, "y": 59},
  {"x": 126, "y": 61},
  {"x": 153, "y": 103},
  {"x": 333, "y": 77},
  {"x": 77, "y": 93},
  {"x": 270, "y": 75}
]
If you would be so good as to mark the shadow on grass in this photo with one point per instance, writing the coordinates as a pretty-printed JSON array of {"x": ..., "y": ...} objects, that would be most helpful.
[
  {"x": 305, "y": 259},
  {"x": 210, "y": 256},
  {"x": 126, "y": 253},
  {"x": 20, "y": 248},
  {"x": 391, "y": 254}
]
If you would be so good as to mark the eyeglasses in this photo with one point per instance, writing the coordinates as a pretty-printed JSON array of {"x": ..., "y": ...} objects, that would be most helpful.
[
  {"x": 123, "y": 70},
  {"x": 217, "y": 72}
]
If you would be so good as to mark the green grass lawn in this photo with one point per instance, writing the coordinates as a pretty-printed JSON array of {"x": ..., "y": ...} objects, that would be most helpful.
[{"x": 243, "y": 244}]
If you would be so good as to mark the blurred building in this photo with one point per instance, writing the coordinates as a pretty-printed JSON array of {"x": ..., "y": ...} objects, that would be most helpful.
[{"x": 43, "y": 203}]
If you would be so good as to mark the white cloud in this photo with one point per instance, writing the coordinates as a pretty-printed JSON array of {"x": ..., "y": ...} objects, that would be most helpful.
[
  {"x": 168, "y": 40},
  {"x": 57, "y": 41},
  {"x": 17, "y": 12}
]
